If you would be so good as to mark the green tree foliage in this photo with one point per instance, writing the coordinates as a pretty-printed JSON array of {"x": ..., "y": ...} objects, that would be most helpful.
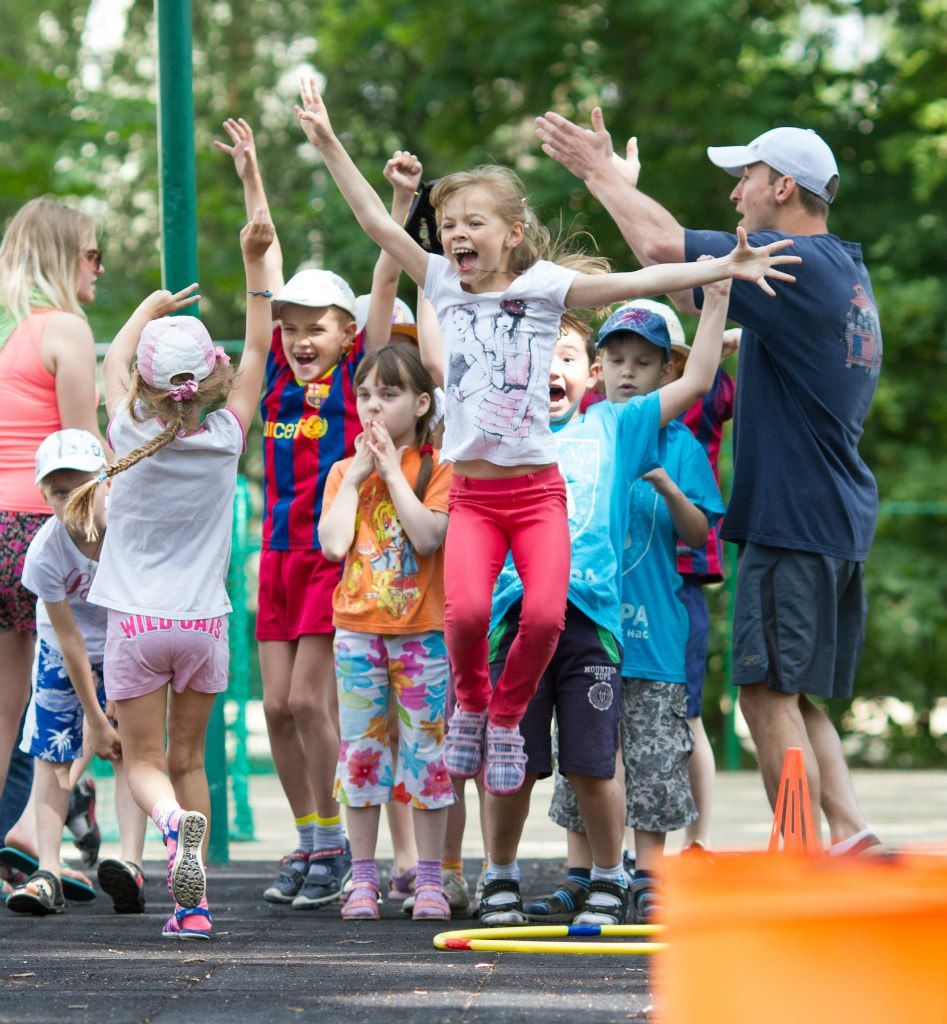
[{"x": 459, "y": 84}]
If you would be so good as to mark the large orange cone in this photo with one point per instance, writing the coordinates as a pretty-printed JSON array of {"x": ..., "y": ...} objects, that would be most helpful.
[{"x": 793, "y": 818}]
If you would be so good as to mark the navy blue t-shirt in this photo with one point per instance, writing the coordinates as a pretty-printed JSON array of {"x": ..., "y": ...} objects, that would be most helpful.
[{"x": 808, "y": 369}]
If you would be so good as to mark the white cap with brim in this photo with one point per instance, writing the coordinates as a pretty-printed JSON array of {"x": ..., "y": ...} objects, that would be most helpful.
[
  {"x": 674, "y": 325},
  {"x": 315, "y": 289},
  {"x": 71, "y": 448},
  {"x": 798, "y": 152}
]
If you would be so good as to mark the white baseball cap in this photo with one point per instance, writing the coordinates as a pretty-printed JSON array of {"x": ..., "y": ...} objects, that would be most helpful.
[
  {"x": 173, "y": 345},
  {"x": 674, "y": 326},
  {"x": 798, "y": 152},
  {"x": 315, "y": 288},
  {"x": 69, "y": 449}
]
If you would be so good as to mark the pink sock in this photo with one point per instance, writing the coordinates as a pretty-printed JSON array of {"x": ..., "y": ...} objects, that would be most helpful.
[
  {"x": 163, "y": 812},
  {"x": 429, "y": 873}
]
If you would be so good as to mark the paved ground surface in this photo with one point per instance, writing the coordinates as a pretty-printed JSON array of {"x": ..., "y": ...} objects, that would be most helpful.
[
  {"x": 271, "y": 964},
  {"x": 267, "y": 964}
]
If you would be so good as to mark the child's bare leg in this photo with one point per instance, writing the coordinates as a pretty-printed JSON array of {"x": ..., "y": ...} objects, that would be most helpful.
[
  {"x": 430, "y": 828},
  {"x": 649, "y": 850},
  {"x": 602, "y": 806},
  {"x": 51, "y": 791},
  {"x": 79, "y": 766},
  {"x": 286, "y": 745},
  {"x": 363, "y": 831},
  {"x": 401, "y": 825},
  {"x": 578, "y": 850},
  {"x": 456, "y": 823},
  {"x": 188, "y": 714},
  {"x": 506, "y": 816},
  {"x": 314, "y": 706},
  {"x": 700, "y": 769},
  {"x": 131, "y": 819},
  {"x": 22, "y": 834}
]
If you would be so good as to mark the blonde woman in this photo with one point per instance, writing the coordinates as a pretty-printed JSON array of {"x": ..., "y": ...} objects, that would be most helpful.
[{"x": 49, "y": 266}]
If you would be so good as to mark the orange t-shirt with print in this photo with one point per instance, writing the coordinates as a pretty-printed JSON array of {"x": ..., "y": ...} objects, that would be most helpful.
[{"x": 386, "y": 586}]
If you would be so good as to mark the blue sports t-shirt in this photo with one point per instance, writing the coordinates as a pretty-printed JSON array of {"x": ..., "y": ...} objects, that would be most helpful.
[
  {"x": 600, "y": 455},
  {"x": 809, "y": 364},
  {"x": 654, "y": 622}
]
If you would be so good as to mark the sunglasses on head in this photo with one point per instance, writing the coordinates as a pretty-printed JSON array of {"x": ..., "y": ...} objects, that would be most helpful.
[{"x": 94, "y": 256}]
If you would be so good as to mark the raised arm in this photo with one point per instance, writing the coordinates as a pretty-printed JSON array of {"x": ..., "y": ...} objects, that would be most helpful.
[
  {"x": 361, "y": 197},
  {"x": 243, "y": 153},
  {"x": 403, "y": 171},
  {"x": 255, "y": 240},
  {"x": 704, "y": 359},
  {"x": 430, "y": 339},
  {"x": 115, "y": 366},
  {"x": 745, "y": 263}
]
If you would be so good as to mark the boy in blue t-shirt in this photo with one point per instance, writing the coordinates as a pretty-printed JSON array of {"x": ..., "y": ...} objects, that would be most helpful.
[
  {"x": 679, "y": 498},
  {"x": 601, "y": 454}
]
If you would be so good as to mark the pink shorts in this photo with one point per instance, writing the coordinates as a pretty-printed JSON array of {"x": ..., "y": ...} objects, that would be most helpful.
[
  {"x": 143, "y": 653},
  {"x": 295, "y": 594}
]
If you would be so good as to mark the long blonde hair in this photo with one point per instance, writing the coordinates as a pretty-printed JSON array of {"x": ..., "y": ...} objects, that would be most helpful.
[
  {"x": 40, "y": 252},
  {"x": 145, "y": 402}
]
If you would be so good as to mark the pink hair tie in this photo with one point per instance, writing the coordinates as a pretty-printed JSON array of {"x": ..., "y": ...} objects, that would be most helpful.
[
  {"x": 221, "y": 355},
  {"x": 184, "y": 392}
]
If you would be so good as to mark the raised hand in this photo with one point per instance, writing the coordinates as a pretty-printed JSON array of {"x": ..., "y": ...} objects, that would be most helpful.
[
  {"x": 387, "y": 457},
  {"x": 257, "y": 234},
  {"x": 403, "y": 172},
  {"x": 659, "y": 480},
  {"x": 749, "y": 263},
  {"x": 582, "y": 151},
  {"x": 731, "y": 342},
  {"x": 630, "y": 167},
  {"x": 363, "y": 464},
  {"x": 313, "y": 116},
  {"x": 243, "y": 150},
  {"x": 163, "y": 303}
]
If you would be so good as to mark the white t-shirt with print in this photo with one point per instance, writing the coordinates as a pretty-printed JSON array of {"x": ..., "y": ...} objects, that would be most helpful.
[
  {"x": 167, "y": 547},
  {"x": 498, "y": 349},
  {"x": 56, "y": 570}
]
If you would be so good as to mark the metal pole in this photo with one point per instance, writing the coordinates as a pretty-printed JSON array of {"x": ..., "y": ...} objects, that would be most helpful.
[{"x": 179, "y": 269}]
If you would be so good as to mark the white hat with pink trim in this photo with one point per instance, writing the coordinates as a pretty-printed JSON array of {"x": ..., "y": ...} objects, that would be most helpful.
[{"x": 173, "y": 346}]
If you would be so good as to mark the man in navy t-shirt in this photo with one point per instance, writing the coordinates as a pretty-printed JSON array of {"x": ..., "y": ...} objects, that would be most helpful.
[{"x": 803, "y": 503}]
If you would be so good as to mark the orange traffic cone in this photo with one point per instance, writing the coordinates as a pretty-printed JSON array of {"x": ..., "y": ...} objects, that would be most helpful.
[{"x": 793, "y": 818}]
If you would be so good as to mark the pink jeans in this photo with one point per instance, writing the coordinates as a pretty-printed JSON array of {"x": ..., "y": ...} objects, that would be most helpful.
[{"x": 525, "y": 515}]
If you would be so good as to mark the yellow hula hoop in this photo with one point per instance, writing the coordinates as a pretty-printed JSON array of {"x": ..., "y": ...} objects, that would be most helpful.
[{"x": 511, "y": 940}]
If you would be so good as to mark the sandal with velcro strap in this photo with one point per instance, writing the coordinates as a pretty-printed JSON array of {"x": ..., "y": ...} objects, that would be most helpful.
[{"x": 39, "y": 895}]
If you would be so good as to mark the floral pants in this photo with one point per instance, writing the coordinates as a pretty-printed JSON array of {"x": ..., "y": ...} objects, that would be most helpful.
[{"x": 408, "y": 673}]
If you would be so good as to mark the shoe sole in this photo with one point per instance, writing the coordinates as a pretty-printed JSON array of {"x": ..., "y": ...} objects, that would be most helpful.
[
  {"x": 116, "y": 882},
  {"x": 502, "y": 792},
  {"x": 186, "y": 936},
  {"x": 464, "y": 775},
  {"x": 503, "y": 918},
  {"x": 23, "y": 903},
  {"x": 309, "y": 903},
  {"x": 188, "y": 882},
  {"x": 275, "y": 896}
]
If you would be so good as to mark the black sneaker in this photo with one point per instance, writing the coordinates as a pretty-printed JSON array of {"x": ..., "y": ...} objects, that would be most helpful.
[
  {"x": 39, "y": 895},
  {"x": 326, "y": 876},
  {"x": 501, "y": 903},
  {"x": 124, "y": 881},
  {"x": 606, "y": 903},
  {"x": 646, "y": 895},
  {"x": 292, "y": 874},
  {"x": 80, "y": 820},
  {"x": 559, "y": 907}
]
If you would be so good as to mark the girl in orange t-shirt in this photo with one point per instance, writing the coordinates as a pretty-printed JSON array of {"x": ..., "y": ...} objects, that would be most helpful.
[{"x": 385, "y": 515}]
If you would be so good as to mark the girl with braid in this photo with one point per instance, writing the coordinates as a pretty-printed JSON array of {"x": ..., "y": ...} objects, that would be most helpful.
[{"x": 165, "y": 556}]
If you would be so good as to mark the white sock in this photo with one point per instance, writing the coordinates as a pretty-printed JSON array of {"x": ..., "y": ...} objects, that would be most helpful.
[
  {"x": 615, "y": 874},
  {"x": 844, "y": 845},
  {"x": 162, "y": 812},
  {"x": 495, "y": 871}
]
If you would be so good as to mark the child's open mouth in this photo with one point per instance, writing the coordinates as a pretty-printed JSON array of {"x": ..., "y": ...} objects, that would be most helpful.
[
  {"x": 466, "y": 259},
  {"x": 556, "y": 393},
  {"x": 304, "y": 358}
]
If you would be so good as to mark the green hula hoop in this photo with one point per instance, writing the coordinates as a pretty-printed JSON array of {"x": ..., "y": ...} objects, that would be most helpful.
[{"x": 513, "y": 940}]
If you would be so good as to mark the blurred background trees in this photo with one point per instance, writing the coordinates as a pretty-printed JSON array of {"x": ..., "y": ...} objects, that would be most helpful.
[{"x": 459, "y": 84}]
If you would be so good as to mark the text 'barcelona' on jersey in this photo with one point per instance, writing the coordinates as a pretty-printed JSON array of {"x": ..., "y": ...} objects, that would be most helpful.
[{"x": 307, "y": 428}]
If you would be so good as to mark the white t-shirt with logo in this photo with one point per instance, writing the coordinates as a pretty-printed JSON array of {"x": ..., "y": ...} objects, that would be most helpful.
[
  {"x": 167, "y": 547},
  {"x": 498, "y": 349},
  {"x": 56, "y": 570}
]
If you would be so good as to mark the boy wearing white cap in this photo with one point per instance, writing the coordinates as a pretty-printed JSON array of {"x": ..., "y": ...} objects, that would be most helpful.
[
  {"x": 69, "y": 692},
  {"x": 803, "y": 503}
]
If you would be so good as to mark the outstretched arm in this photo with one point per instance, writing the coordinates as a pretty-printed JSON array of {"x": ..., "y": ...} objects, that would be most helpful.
[
  {"x": 701, "y": 367},
  {"x": 361, "y": 197},
  {"x": 115, "y": 366},
  {"x": 403, "y": 171},
  {"x": 745, "y": 263},
  {"x": 243, "y": 153}
]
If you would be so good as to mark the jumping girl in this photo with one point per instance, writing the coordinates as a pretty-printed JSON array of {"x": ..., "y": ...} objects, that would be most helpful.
[
  {"x": 507, "y": 493},
  {"x": 165, "y": 557},
  {"x": 385, "y": 515}
]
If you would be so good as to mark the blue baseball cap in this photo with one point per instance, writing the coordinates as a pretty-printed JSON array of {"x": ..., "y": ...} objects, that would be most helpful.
[{"x": 632, "y": 319}]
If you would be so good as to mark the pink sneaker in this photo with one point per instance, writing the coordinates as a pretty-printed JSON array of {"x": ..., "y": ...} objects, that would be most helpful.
[
  {"x": 430, "y": 904},
  {"x": 188, "y": 923},
  {"x": 504, "y": 770},
  {"x": 463, "y": 747},
  {"x": 186, "y": 878},
  {"x": 361, "y": 904}
]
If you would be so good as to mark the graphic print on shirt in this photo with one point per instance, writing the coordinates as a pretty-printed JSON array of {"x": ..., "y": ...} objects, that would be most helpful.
[
  {"x": 579, "y": 462},
  {"x": 393, "y": 565},
  {"x": 643, "y": 510},
  {"x": 502, "y": 361},
  {"x": 863, "y": 334}
]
